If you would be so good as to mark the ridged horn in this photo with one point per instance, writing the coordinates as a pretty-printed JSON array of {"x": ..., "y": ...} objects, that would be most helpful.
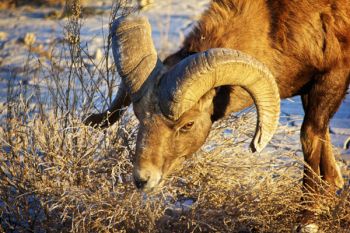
[
  {"x": 134, "y": 54},
  {"x": 182, "y": 87},
  {"x": 113, "y": 113}
]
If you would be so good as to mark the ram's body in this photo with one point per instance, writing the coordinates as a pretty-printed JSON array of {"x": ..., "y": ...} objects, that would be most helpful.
[
  {"x": 300, "y": 41},
  {"x": 305, "y": 44}
]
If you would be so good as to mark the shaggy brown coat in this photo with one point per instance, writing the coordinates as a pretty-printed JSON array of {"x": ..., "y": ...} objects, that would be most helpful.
[{"x": 305, "y": 43}]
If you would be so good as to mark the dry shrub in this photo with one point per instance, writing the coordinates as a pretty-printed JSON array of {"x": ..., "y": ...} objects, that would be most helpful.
[
  {"x": 58, "y": 175},
  {"x": 16, "y": 3},
  {"x": 79, "y": 179}
]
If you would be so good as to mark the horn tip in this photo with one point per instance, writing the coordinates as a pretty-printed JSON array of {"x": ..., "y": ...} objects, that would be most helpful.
[{"x": 256, "y": 147}]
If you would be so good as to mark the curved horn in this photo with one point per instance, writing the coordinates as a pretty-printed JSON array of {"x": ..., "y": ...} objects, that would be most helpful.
[
  {"x": 194, "y": 76},
  {"x": 134, "y": 54},
  {"x": 113, "y": 113},
  {"x": 137, "y": 64}
]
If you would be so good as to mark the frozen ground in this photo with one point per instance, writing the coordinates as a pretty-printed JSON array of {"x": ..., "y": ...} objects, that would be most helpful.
[{"x": 171, "y": 20}]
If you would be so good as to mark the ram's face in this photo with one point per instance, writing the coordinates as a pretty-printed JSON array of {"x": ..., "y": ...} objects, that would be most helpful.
[
  {"x": 174, "y": 105},
  {"x": 162, "y": 144}
]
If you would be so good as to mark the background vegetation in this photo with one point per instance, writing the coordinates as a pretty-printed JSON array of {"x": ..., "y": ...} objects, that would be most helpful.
[
  {"x": 17, "y": 3},
  {"x": 58, "y": 175}
]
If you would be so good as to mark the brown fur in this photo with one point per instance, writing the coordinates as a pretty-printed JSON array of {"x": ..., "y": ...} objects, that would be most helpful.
[
  {"x": 161, "y": 143},
  {"x": 306, "y": 44}
]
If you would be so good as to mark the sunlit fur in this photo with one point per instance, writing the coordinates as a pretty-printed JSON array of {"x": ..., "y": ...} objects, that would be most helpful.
[
  {"x": 163, "y": 144},
  {"x": 305, "y": 43}
]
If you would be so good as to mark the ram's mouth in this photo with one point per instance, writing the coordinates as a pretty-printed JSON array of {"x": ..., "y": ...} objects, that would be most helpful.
[{"x": 153, "y": 186}]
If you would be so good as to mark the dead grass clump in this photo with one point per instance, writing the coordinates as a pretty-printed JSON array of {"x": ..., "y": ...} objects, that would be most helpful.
[
  {"x": 240, "y": 192},
  {"x": 16, "y": 3},
  {"x": 78, "y": 179}
]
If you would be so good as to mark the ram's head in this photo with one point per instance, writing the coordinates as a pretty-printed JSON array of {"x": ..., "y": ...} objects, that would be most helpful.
[{"x": 175, "y": 105}]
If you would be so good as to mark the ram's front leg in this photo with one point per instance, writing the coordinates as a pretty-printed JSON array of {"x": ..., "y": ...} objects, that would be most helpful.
[
  {"x": 320, "y": 103},
  {"x": 319, "y": 158}
]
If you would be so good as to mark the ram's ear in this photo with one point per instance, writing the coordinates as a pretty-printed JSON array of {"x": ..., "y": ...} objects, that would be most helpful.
[{"x": 206, "y": 102}]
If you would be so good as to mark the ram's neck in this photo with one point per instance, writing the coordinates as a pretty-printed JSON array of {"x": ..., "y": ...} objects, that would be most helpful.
[{"x": 237, "y": 24}]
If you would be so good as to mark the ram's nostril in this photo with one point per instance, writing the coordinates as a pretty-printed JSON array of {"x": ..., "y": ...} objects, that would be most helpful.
[{"x": 140, "y": 183}]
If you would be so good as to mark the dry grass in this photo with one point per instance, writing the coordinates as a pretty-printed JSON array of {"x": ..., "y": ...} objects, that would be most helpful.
[
  {"x": 78, "y": 179},
  {"x": 58, "y": 175},
  {"x": 16, "y": 3}
]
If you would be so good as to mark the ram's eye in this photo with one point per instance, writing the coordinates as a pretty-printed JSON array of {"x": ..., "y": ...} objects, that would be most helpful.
[{"x": 187, "y": 126}]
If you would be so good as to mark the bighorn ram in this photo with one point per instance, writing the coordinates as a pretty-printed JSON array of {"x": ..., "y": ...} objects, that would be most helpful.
[{"x": 241, "y": 52}]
